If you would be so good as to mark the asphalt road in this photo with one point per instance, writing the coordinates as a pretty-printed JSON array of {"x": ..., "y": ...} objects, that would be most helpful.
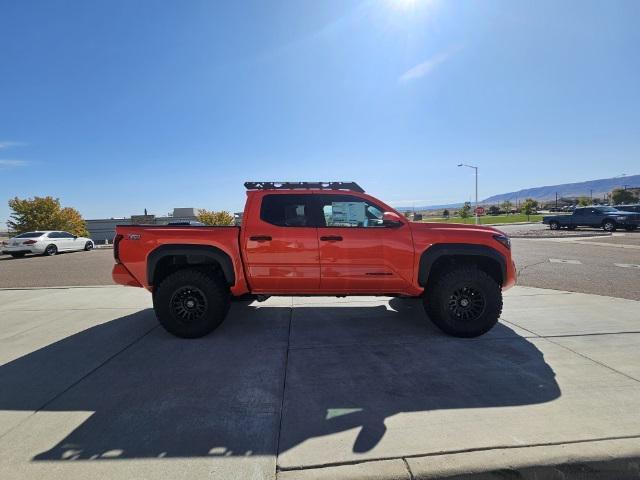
[
  {"x": 65, "y": 269},
  {"x": 574, "y": 264},
  {"x": 603, "y": 266}
]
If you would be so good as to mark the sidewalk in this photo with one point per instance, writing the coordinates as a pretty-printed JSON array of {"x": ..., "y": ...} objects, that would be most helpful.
[{"x": 313, "y": 388}]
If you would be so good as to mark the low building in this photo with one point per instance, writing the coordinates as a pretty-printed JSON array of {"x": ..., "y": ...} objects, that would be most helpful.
[{"x": 102, "y": 230}]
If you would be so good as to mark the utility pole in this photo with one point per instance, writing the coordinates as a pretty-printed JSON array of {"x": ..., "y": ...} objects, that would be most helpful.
[
  {"x": 475, "y": 210},
  {"x": 556, "y": 200},
  {"x": 591, "y": 195}
]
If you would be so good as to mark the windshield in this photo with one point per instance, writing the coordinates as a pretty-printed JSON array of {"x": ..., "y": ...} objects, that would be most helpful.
[{"x": 30, "y": 235}]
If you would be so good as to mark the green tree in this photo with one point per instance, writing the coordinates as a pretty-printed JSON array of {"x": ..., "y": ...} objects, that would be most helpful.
[
  {"x": 528, "y": 207},
  {"x": 209, "y": 217},
  {"x": 494, "y": 210},
  {"x": 44, "y": 213},
  {"x": 464, "y": 211},
  {"x": 621, "y": 196},
  {"x": 506, "y": 206},
  {"x": 445, "y": 213},
  {"x": 584, "y": 201}
]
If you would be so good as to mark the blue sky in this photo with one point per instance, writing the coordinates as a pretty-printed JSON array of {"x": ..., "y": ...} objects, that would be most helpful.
[{"x": 123, "y": 105}]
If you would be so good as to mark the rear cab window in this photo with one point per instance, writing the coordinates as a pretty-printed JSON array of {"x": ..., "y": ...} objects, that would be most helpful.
[{"x": 285, "y": 210}]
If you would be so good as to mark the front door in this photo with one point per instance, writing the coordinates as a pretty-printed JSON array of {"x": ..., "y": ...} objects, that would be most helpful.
[
  {"x": 359, "y": 253},
  {"x": 281, "y": 246}
]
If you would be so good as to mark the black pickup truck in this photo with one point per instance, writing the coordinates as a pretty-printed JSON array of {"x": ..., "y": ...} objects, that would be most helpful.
[{"x": 607, "y": 218}]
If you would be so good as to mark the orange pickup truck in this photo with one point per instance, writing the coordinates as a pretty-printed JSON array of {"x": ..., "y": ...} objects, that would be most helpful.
[{"x": 316, "y": 238}]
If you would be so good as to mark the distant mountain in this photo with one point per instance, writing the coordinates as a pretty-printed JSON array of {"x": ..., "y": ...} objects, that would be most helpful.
[
  {"x": 430, "y": 207},
  {"x": 580, "y": 189}
]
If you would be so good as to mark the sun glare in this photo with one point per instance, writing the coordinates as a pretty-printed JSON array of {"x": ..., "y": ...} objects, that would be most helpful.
[{"x": 405, "y": 4}]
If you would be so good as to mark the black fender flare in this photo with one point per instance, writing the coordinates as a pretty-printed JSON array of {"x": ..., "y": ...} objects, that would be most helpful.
[
  {"x": 194, "y": 253},
  {"x": 439, "y": 250}
]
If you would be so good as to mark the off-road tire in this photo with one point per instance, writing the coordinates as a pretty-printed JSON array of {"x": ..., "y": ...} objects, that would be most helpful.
[
  {"x": 50, "y": 251},
  {"x": 444, "y": 302},
  {"x": 553, "y": 225},
  {"x": 174, "y": 296},
  {"x": 609, "y": 226}
]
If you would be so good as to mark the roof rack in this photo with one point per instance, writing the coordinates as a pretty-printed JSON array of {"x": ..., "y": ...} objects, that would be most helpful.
[{"x": 353, "y": 186}]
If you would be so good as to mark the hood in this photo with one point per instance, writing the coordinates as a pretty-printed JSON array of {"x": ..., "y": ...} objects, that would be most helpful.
[
  {"x": 458, "y": 227},
  {"x": 627, "y": 213}
]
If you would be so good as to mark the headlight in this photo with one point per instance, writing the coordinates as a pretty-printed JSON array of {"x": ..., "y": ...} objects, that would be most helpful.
[{"x": 504, "y": 240}]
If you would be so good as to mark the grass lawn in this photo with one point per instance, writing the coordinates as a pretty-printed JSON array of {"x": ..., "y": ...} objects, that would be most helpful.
[{"x": 487, "y": 219}]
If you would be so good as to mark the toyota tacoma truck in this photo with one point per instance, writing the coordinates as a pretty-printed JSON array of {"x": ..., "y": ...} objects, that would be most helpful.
[
  {"x": 316, "y": 238},
  {"x": 607, "y": 218}
]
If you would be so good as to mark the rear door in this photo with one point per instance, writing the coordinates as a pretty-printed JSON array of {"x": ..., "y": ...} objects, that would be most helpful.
[
  {"x": 594, "y": 216},
  {"x": 281, "y": 245},
  {"x": 56, "y": 239},
  {"x": 358, "y": 253},
  {"x": 580, "y": 217}
]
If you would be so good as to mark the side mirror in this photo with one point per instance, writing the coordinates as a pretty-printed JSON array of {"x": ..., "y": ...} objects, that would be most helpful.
[{"x": 391, "y": 219}]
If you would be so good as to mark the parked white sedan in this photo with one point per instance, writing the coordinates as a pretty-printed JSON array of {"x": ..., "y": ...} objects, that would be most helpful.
[{"x": 46, "y": 242}]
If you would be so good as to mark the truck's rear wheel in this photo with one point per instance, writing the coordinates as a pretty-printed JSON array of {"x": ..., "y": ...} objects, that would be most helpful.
[
  {"x": 190, "y": 303},
  {"x": 553, "y": 225},
  {"x": 465, "y": 302}
]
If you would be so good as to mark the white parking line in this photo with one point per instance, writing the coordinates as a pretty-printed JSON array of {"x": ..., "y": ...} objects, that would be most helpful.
[
  {"x": 562, "y": 260},
  {"x": 627, "y": 265}
]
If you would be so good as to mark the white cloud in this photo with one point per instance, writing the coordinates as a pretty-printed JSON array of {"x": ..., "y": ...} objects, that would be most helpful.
[
  {"x": 10, "y": 144},
  {"x": 6, "y": 164},
  {"x": 427, "y": 67}
]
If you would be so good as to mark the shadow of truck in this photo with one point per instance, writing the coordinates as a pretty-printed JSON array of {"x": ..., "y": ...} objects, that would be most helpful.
[{"x": 347, "y": 366}]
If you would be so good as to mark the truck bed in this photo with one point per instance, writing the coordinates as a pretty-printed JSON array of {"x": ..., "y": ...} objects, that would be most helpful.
[{"x": 136, "y": 242}]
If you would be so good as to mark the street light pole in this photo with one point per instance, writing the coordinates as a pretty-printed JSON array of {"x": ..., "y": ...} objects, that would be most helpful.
[{"x": 475, "y": 210}]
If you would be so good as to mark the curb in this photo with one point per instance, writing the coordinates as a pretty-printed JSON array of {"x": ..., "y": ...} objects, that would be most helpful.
[{"x": 617, "y": 458}]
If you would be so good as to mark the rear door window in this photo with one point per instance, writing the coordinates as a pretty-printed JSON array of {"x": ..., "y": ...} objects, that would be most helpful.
[{"x": 287, "y": 210}]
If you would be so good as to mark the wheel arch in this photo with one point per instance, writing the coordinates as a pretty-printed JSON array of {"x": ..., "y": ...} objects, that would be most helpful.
[
  {"x": 438, "y": 257},
  {"x": 169, "y": 258}
]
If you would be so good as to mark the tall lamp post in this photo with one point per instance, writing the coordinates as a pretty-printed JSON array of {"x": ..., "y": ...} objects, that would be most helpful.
[{"x": 475, "y": 210}]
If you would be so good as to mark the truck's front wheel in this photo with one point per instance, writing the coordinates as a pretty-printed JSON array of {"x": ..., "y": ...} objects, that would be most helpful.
[
  {"x": 609, "y": 226},
  {"x": 465, "y": 302},
  {"x": 190, "y": 303}
]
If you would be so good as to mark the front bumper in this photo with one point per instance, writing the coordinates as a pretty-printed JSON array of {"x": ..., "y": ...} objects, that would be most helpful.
[{"x": 629, "y": 222}]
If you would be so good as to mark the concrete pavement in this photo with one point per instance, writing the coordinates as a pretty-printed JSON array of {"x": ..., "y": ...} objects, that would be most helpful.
[{"x": 314, "y": 388}]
